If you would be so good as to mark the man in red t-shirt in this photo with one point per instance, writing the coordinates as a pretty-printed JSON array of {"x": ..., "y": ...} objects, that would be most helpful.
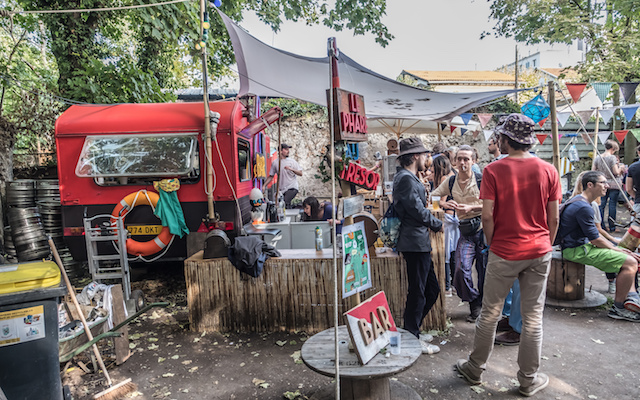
[{"x": 520, "y": 195}]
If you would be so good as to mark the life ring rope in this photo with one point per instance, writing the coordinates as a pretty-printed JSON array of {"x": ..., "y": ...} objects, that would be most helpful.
[{"x": 134, "y": 247}]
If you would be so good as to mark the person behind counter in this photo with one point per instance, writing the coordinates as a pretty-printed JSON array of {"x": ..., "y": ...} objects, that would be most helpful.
[{"x": 316, "y": 211}]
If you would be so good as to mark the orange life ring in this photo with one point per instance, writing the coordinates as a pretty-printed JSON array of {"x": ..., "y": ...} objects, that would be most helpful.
[{"x": 152, "y": 246}]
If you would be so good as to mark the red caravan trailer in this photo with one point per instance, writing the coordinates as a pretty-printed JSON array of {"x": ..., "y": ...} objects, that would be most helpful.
[{"x": 107, "y": 152}]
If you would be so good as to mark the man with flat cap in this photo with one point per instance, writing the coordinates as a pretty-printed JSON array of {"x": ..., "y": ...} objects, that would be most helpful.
[
  {"x": 520, "y": 196},
  {"x": 290, "y": 170},
  {"x": 410, "y": 203}
]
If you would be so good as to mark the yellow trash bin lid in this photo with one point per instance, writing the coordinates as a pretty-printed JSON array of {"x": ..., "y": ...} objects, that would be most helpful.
[{"x": 28, "y": 276}]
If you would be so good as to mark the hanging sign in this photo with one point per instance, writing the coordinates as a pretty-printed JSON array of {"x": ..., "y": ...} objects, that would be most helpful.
[
  {"x": 349, "y": 116},
  {"x": 359, "y": 175},
  {"x": 369, "y": 324},
  {"x": 356, "y": 269}
]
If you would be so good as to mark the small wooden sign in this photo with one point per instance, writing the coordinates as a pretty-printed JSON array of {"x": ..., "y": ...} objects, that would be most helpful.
[
  {"x": 349, "y": 116},
  {"x": 350, "y": 206},
  {"x": 369, "y": 324}
]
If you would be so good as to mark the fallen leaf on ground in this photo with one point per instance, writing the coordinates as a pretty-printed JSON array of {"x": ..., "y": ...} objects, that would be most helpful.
[
  {"x": 196, "y": 340},
  {"x": 153, "y": 347},
  {"x": 433, "y": 390},
  {"x": 514, "y": 382},
  {"x": 281, "y": 342},
  {"x": 161, "y": 359},
  {"x": 264, "y": 385},
  {"x": 293, "y": 342},
  {"x": 292, "y": 395},
  {"x": 477, "y": 389},
  {"x": 544, "y": 357},
  {"x": 193, "y": 369},
  {"x": 503, "y": 389},
  {"x": 152, "y": 339},
  {"x": 257, "y": 381},
  {"x": 297, "y": 358},
  {"x": 242, "y": 364},
  {"x": 132, "y": 345},
  {"x": 168, "y": 375},
  {"x": 597, "y": 341},
  {"x": 592, "y": 396},
  {"x": 186, "y": 362},
  {"x": 175, "y": 357}
]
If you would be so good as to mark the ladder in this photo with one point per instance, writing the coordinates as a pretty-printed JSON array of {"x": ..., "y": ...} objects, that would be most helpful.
[{"x": 107, "y": 262}]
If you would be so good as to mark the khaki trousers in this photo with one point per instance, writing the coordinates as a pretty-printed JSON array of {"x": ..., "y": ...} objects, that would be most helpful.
[{"x": 533, "y": 285}]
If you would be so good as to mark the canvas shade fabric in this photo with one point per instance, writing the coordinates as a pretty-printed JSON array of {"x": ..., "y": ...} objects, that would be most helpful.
[{"x": 267, "y": 71}]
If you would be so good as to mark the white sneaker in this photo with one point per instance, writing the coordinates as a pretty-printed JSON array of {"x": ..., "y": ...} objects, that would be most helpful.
[
  {"x": 428, "y": 348},
  {"x": 425, "y": 337},
  {"x": 612, "y": 287}
]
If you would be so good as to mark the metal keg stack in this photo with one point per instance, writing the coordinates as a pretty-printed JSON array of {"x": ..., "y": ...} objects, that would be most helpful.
[
  {"x": 48, "y": 202},
  {"x": 9, "y": 248},
  {"x": 28, "y": 234}
]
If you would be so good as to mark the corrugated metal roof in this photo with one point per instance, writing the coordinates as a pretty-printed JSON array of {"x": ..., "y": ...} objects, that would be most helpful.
[{"x": 462, "y": 76}]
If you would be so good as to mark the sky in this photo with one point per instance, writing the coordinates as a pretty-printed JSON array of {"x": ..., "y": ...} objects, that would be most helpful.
[{"x": 434, "y": 35}]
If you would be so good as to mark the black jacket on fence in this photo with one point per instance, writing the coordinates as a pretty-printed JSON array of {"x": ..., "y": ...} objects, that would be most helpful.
[
  {"x": 410, "y": 203},
  {"x": 249, "y": 253}
]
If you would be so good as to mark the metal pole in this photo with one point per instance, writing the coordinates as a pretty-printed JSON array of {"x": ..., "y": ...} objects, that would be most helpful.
[
  {"x": 335, "y": 82},
  {"x": 207, "y": 127},
  {"x": 554, "y": 125},
  {"x": 516, "y": 74},
  {"x": 595, "y": 139}
]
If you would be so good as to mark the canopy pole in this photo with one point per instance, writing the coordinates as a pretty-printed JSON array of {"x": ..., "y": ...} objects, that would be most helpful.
[
  {"x": 595, "y": 138},
  {"x": 554, "y": 126},
  {"x": 207, "y": 126},
  {"x": 332, "y": 49}
]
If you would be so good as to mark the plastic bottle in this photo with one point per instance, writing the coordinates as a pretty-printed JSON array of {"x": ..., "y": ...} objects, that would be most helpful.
[{"x": 319, "y": 244}]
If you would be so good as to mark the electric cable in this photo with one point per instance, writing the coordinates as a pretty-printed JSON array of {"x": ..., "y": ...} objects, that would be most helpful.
[{"x": 7, "y": 13}]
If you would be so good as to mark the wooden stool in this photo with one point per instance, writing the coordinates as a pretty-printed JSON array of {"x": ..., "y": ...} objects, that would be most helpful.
[{"x": 565, "y": 287}]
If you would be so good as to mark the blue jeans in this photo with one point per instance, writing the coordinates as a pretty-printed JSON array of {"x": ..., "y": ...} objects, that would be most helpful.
[
  {"x": 511, "y": 307},
  {"x": 469, "y": 251},
  {"x": 612, "y": 196}
]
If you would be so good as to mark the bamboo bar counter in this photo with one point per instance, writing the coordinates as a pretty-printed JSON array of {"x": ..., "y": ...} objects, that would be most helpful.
[{"x": 295, "y": 291}]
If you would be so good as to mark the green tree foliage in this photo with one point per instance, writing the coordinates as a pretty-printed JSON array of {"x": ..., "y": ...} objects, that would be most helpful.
[
  {"x": 132, "y": 55},
  {"x": 609, "y": 29}
]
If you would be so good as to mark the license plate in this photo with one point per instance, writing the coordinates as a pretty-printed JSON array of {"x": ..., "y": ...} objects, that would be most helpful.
[{"x": 144, "y": 229}]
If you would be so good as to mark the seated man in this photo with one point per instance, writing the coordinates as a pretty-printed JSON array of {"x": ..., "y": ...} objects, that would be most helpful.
[{"x": 581, "y": 243}]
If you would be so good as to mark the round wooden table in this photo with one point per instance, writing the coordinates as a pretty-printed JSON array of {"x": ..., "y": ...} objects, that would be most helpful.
[{"x": 357, "y": 381}]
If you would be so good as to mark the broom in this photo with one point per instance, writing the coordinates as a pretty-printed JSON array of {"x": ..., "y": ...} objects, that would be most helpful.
[{"x": 114, "y": 391}]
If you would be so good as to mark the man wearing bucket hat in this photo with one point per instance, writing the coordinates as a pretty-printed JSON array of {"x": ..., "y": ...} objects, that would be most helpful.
[
  {"x": 520, "y": 196},
  {"x": 410, "y": 204}
]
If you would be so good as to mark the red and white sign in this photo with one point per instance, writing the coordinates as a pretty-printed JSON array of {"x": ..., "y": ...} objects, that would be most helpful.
[
  {"x": 369, "y": 325},
  {"x": 360, "y": 176},
  {"x": 349, "y": 116}
]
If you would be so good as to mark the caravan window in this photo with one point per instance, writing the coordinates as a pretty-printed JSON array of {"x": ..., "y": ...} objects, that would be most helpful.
[
  {"x": 125, "y": 159},
  {"x": 244, "y": 160}
]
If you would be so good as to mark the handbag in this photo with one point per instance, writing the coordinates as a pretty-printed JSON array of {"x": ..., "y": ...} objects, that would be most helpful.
[
  {"x": 389, "y": 228},
  {"x": 471, "y": 226}
]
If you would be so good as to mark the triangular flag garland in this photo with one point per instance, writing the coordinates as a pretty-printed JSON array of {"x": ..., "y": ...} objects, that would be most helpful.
[
  {"x": 629, "y": 111},
  {"x": 620, "y": 135},
  {"x": 541, "y": 137},
  {"x": 606, "y": 114},
  {"x": 484, "y": 119},
  {"x": 584, "y": 116},
  {"x": 487, "y": 134},
  {"x": 628, "y": 90},
  {"x": 575, "y": 90},
  {"x": 586, "y": 138},
  {"x": 602, "y": 89},
  {"x": 603, "y": 136},
  {"x": 463, "y": 131},
  {"x": 443, "y": 126},
  {"x": 466, "y": 117},
  {"x": 475, "y": 134},
  {"x": 542, "y": 122},
  {"x": 453, "y": 128},
  {"x": 636, "y": 133},
  {"x": 563, "y": 117}
]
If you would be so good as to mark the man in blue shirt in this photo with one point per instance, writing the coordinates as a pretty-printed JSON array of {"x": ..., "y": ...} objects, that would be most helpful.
[{"x": 582, "y": 243}]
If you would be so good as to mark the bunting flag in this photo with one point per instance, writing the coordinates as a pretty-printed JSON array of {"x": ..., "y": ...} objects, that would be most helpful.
[
  {"x": 584, "y": 116},
  {"x": 466, "y": 117},
  {"x": 575, "y": 90},
  {"x": 636, "y": 133},
  {"x": 606, "y": 114},
  {"x": 542, "y": 122},
  {"x": 463, "y": 131},
  {"x": 484, "y": 118},
  {"x": 443, "y": 126},
  {"x": 453, "y": 128},
  {"x": 537, "y": 108},
  {"x": 628, "y": 90},
  {"x": 629, "y": 111},
  {"x": 563, "y": 117},
  {"x": 541, "y": 137},
  {"x": 603, "y": 136},
  {"x": 586, "y": 138},
  {"x": 565, "y": 166},
  {"x": 487, "y": 134},
  {"x": 475, "y": 134},
  {"x": 602, "y": 89},
  {"x": 620, "y": 135}
]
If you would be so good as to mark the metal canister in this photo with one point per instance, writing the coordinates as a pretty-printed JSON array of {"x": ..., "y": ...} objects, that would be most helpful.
[{"x": 631, "y": 239}]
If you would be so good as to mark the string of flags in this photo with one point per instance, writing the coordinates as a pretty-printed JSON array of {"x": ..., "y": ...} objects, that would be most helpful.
[{"x": 539, "y": 110}]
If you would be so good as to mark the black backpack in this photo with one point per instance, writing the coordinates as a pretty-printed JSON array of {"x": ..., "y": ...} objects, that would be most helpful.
[
  {"x": 452, "y": 180},
  {"x": 558, "y": 240}
]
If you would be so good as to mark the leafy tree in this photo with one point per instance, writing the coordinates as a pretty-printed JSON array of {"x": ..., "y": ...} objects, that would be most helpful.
[
  {"x": 609, "y": 29},
  {"x": 130, "y": 56}
]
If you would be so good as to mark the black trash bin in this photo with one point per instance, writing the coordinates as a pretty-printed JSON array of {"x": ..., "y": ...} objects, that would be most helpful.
[{"x": 30, "y": 368}]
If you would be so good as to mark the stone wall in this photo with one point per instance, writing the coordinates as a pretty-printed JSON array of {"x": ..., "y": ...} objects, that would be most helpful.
[{"x": 308, "y": 136}]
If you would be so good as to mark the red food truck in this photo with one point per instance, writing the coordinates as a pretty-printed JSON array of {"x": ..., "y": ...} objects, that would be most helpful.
[{"x": 108, "y": 153}]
